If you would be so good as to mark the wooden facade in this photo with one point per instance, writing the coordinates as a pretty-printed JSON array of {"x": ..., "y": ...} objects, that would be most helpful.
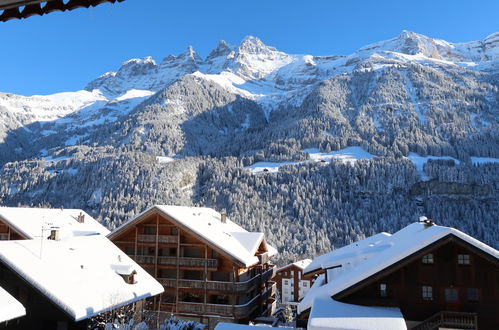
[
  {"x": 8, "y": 233},
  {"x": 201, "y": 281},
  {"x": 41, "y": 312},
  {"x": 447, "y": 280}
]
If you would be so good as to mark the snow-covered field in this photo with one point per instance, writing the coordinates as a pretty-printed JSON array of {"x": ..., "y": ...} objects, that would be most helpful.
[
  {"x": 351, "y": 155},
  {"x": 347, "y": 155}
]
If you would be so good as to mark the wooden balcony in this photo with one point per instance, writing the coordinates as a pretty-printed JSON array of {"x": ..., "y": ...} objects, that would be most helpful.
[
  {"x": 226, "y": 287},
  {"x": 172, "y": 261},
  {"x": 162, "y": 239},
  {"x": 446, "y": 319},
  {"x": 238, "y": 311},
  {"x": 4, "y": 237}
]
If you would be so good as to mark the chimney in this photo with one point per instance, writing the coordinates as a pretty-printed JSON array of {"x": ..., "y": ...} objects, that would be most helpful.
[
  {"x": 54, "y": 233},
  {"x": 223, "y": 217},
  {"x": 427, "y": 222},
  {"x": 81, "y": 218}
]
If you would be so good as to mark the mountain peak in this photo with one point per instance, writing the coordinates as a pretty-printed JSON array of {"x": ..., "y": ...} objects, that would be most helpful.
[
  {"x": 253, "y": 45},
  {"x": 222, "y": 49}
]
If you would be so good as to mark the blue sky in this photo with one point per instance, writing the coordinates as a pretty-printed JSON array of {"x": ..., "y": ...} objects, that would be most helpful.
[{"x": 63, "y": 51}]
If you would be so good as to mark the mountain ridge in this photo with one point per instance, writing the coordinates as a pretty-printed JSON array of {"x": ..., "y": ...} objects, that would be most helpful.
[{"x": 190, "y": 131}]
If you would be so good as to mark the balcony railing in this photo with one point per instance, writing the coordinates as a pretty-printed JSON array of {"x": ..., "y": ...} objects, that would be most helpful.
[
  {"x": 165, "y": 239},
  {"x": 4, "y": 237},
  {"x": 172, "y": 261},
  {"x": 227, "y": 287},
  {"x": 238, "y": 311},
  {"x": 448, "y": 319}
]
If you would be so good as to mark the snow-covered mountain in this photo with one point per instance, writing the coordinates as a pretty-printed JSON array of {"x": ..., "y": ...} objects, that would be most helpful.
[{"x": 189, "y": 130}]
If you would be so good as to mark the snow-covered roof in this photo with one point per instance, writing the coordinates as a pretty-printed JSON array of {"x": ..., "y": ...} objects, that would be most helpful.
[
  {"x": 10, "y": 308},
  {"x": 347, "y": 252},
  {"x": 205, "y": 222},
  {"x": 30, "y": 221},
  {"x": 302, "y": 264},
  {"x": 233, "y": 326},
  {"x": 79, "y": 274},
  {"x": 330, "y": 314},
  {"x": 365, "y": 258}
]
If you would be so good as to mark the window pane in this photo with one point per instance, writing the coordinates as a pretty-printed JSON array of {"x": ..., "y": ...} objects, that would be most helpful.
[
  {"x": 428, "y": 258},
  {"x": 451, "y": 295},
  {"x": 472, "y": 294},
  {"x": 463, "y": 259},
  {"x": 427, "y": 292},
  {"x": 382, "y": 290}
]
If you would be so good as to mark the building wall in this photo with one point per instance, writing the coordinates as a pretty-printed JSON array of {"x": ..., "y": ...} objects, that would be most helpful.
[
  {"x": 41, "y": 313},
  {"x": 7, "y": 233},
  {"x": 198, "y": 279},
  {"x": 457, "y": 279},
  {"x": 292, "y": 288}
]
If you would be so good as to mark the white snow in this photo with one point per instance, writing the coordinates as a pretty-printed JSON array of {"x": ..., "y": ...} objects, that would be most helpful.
[
  {"x": 133, "y": 94},
  {"x": 329, "y": 314},
  {"x": 348, "y": 155},
  {"x": 78, "y": 274},
  {"x": 362, "y": 259},
  {"x": 165, "y": 159},
  {"x": 29, "y": 222},
  {"x": 269, "y": 167},
  {"x": 483, "y": 160},
  {"x": 302, "y": 264},
  {"x": 420, "y": 161},
  {"x": 205, "y": 222},
  {"x": 10, "y": 308}
]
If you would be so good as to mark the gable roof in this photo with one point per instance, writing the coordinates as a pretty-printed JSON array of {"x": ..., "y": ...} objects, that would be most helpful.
[
  {"x": 329, "y": 314},
  {"x": 302, "y": 264},
  {"x": 358, "y": 261},
  {"x": 80, "y": 275},
  {"x": 229, "y": 237},
  {"x": 30, "y": 221},
  {"x": 10, "y": 308}
]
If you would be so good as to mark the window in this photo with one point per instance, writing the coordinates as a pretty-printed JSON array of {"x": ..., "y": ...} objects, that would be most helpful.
[
  {"x": 220, "y": 276},
  {"x": 427, "y": 292},
  {"x": 192, "y": 253},
  {"x": 451, "y": 295},
  {"x": 174, "y": 231},
  {"x": 149, "y": 230},
  {"x": 130, "y": 250},
  {"x": 472, "y": 294},
  {"x": 167, "y": 273},
  {"x": 428, "y": 258},
  {"x": 382, "y": 290},
  {"x": 463, "y": 259},
  {"x": 286, "y": 282},
  {"x": 305, "y": 284}
]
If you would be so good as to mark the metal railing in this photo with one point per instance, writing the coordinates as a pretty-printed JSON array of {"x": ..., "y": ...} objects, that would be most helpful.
[{"x": 447, "y": 319}]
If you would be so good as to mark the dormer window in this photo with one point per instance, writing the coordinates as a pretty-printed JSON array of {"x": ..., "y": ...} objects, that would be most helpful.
[
  {"x": 382, "y": 290},
  {"x": 463, "y": 259},
  {"x": 428, "y": 258}
]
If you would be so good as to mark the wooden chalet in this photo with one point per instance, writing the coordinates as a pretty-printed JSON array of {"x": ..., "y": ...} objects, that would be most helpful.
[
  {"x": 212, "y": 269},
  {"x": 437, "y": 276}
]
